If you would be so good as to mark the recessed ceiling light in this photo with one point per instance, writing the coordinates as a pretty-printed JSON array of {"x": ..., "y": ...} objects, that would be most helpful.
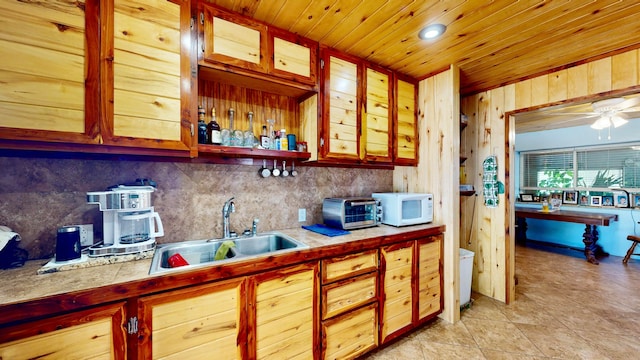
[{"x": 432, "y": 31}]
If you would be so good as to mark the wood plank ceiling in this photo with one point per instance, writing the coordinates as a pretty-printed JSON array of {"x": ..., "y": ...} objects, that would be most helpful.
[{"x": 493, "y": 42}]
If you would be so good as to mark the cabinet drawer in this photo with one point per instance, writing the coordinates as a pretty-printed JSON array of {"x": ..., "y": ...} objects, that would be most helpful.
[
  {"x": 347, "y": 266},
  {"x": 352, "y": 334},
  {"x": 348, "y": 294}
]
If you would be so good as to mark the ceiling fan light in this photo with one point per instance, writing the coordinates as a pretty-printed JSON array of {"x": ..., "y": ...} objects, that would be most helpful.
[
  {"x": 618, "y": 121},
  {"x": 601, "y": 123}
]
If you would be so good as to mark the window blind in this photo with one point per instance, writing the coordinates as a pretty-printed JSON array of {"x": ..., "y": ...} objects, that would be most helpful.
[
  {"x": 603, "y": 168},
  {"x": 547, "y": 170}
]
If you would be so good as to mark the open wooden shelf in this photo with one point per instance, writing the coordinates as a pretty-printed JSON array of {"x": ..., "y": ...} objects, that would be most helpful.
[{"x": 254, "y": 153}]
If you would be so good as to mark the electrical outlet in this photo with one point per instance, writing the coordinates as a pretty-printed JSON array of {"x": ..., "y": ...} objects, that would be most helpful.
[
  {"x": 86, "y": 235},
  {"x": 302, "y": 215}
]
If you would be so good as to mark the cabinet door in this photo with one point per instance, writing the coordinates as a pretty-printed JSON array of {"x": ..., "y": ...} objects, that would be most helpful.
[
  {"x": 197, "y": 323},
  {"x": 292, "y": 57},
  {"x": 396, "y": 268},
  {"x": 88, "y": 334},
  {"x": 340, "y": 135},
  {"x": 406, "y": 128},
  {"x": 352, "y": 334},
  {"x": 377, "y": 115},
  {"x": 429, "y": 278},
  {"x": 281, "y": 313},
  {"x": 233, "y": 40},
  {"x": 49, "y": 73},
  {"x": 147, "y": 58}
]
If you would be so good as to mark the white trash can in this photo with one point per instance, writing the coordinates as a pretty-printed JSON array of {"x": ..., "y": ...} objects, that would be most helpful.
[{"x": 466, "y": 271}]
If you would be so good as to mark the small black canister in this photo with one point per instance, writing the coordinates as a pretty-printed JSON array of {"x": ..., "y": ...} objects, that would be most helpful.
[{"x": 68, "y": 243}]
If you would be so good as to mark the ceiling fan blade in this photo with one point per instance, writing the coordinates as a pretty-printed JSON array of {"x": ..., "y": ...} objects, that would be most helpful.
[
  {"x": 579, "y": 114},
  {"x": 629, "y": 103}
]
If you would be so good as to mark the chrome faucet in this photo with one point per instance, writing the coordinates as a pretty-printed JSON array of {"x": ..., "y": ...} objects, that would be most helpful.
[
  {"x": 227, "y": 209},
  {"x": 254, "y": 227}
]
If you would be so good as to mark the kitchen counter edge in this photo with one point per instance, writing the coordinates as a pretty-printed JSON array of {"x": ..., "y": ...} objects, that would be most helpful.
[{"x": 25, "y": 292}]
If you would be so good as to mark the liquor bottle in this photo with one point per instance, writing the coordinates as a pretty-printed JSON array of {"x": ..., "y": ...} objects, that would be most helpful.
[
  {"x": 249, "y": 138},
  {"x": 213, "y": 129},
  {"x": 202, "y": 127},
  {"x": 264, "y": 138}
]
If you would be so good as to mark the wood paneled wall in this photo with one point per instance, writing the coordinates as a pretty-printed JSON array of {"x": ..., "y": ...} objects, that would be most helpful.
[
  {"x": 437, "y": 172},
  {"x": 486, "y": 231}
]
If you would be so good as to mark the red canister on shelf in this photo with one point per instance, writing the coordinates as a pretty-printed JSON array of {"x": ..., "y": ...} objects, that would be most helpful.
[{"x": 177, "y": 260}]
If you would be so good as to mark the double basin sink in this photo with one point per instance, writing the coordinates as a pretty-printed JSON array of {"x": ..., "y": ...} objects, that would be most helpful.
[{"x": 198, "y": 253}]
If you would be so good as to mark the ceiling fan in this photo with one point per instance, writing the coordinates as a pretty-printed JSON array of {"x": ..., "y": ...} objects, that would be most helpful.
[{"x": 612, "y": 112}]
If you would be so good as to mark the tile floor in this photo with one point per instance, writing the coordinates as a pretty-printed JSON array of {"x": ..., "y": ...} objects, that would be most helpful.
[{"x": 565, "y": 308}]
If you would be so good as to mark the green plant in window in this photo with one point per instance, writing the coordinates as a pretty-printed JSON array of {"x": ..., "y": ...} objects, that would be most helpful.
[
  {"x": 556, "y": 179},
  {"x": 604, "y": 180}
]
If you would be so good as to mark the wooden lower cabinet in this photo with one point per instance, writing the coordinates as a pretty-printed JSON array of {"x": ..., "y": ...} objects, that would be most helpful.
[
  {"x": 429, "y": 278},
  {"x": 282, "y": 313},
  {"x": 352, "y": 334},
  {"x": 410, "y": 285},
  {"x": 396, "y": 288},
  {"x": 201, "y": 322},
  {"x": 97, "y": 333},
  {"x": 349, "y": 305}
]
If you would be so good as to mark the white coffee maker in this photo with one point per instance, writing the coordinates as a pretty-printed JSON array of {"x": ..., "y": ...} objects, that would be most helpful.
[{"x": 130, "y": 223}]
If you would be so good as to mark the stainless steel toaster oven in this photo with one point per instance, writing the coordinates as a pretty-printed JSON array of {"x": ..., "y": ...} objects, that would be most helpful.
[{"x": 351, "y": 213}]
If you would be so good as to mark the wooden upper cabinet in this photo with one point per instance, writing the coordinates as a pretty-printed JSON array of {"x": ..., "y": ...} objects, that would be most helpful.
[
  {"x": 293, "y": 57},
  {"x": 377, "y": 115},
  {"x": 49, "y": 73},
  {"x": 233, "y": 39},
  {"x": 146, "y": 103},
  {"x": 340, "y": 133},
  {"x": 232, "y": 42},
  {"x": 99, "y": 73},
  {"x": 406, "y": 126}
]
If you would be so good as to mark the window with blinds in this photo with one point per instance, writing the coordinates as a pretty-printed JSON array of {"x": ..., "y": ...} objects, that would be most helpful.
[
  {"x": 584, "y": 168},
  {"x": 546, "y": 170}
]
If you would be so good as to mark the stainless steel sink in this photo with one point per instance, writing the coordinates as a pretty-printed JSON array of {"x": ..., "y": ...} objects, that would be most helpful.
[{"x": 202, "y": 252}]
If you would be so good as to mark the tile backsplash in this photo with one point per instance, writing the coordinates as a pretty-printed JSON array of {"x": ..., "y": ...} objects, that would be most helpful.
[{"x": 37, "y": 195}]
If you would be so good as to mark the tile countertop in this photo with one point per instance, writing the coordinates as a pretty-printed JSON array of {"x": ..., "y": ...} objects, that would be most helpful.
[{"x": 24, "y": 284}]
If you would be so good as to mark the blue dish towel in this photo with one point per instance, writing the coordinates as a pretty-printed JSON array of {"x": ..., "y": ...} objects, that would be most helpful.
[{"x": 325, "y": 230}]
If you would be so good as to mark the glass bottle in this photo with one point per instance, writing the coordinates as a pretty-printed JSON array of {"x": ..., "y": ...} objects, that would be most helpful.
[
  {"x": 249, "y": 139},
  {"x": 225, "y": 134},
  {"x": 284, "y": 143},
  {"x": 272, "y": 134},
  {"x": 237, "y": 137},
  {"x": 202, "y": 127},
  {"x": 213, "y": 129},
  {"x": 264, "y": 138},
  {"x": 277, "y": 141}
]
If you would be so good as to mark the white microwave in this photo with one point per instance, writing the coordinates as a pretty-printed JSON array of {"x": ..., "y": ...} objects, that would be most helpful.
[{"x": 402, "y": 209}]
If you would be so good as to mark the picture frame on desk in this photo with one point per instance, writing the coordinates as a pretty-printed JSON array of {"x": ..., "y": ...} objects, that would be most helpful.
[
  {"x": 595, "y": 200},
  {"x": 526, "y": 197},
  {"x": 570, "y": 197},
  {"x": 636, "y": 200},
  {"x": 620, "y": 199},
  {"x": 584, "y": 200},
  {"x": 607, "y": 200}
]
